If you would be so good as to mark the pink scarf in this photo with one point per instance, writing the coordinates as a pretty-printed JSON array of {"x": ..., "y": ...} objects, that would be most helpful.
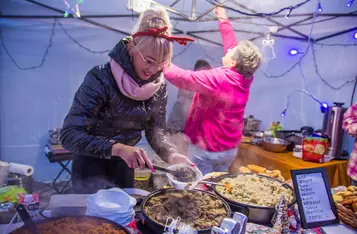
[{"x": 129, "y": 88}]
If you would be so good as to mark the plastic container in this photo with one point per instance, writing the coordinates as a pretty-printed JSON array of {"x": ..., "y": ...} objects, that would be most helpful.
[
  {"x": 183, "y": 185},
  {"x": 142, "y": 182},
  {"x": 297, "y": 152},
  {"x": 109, "y": 201},
  {"x": 7, "y": 212},
  {"x": 142, "y": 179},
  {"x": 68, "y": 204},
  {"x": 4, "y": 166}
]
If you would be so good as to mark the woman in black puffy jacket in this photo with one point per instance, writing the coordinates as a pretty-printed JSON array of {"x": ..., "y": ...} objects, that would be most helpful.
[{"x": 114, "y": 104}]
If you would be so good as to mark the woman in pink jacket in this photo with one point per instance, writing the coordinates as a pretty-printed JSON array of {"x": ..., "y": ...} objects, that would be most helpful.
[
  {"x": 350, "y": 126},
  {"x": 215, "y": 121}
]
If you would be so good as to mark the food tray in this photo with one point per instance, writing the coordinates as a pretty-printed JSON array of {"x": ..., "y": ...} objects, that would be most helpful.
[
  {"x": 78, "y": 219},
  {"x": 255, "y": 214},
  {"x": 157, "y": 227}
]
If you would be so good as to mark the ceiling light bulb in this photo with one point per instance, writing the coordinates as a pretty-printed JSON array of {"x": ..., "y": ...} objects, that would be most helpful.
[
  {"x": 293, "y": 52},
  {"x": 323, "y": 107},
  {"x": 283, "y": 114},
  {"x": 288, "y": 14},
  {"x": 350, "y": 3}
]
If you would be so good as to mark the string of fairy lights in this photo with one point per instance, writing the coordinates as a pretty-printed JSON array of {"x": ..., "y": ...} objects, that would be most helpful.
[
  {"x": 298, "y": 63},
  {"x": 43, "y": 60},
  {"x": 44, "y": 57},
  {"x": 289, "y": 9}
]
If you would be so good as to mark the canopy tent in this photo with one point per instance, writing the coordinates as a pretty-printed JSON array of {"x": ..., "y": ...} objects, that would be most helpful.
[{"x": 44, "y": 57}]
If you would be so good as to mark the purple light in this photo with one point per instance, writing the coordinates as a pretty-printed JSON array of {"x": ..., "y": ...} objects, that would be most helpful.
[
  {"x": 283, "y": 113},
  {"x": 355, "y": 36},
  {"x": 293, "y": 52},
  {"x": 350, "y": 3},
  {"x": 323, "y": 107},
  {"x": 319, "y": 8}
]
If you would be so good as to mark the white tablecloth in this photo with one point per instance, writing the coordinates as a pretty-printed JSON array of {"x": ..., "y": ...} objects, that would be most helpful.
[{"x": 339, "y": 229}]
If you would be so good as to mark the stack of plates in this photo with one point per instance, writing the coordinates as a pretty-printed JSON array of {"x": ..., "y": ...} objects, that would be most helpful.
[{"x": 113, "y": 204}]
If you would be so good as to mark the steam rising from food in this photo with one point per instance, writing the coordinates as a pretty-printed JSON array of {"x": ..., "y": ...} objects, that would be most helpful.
[{"x": 197, "y": 209}]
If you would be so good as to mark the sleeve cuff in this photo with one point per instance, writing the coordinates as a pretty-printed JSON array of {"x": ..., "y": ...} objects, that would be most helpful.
[
  {"x": 225, "y": 21},
  {"x": 107, "y": 153}
]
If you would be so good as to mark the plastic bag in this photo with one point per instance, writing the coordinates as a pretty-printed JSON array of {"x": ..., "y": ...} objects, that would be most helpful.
[
  {"x": 10, "y": 193},
  {"x": 32, "y": 204},
  {"x": 111, "y": 200},
  {"x": 113, "y": 204},
  {"x": 314, "y": 149}
]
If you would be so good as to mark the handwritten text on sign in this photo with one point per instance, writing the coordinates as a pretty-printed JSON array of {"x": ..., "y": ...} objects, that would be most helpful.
[{"x": 314, "y": 198}]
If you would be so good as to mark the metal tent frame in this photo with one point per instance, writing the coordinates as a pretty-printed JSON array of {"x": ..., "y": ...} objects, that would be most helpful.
[{"x": 199, "y": 18}]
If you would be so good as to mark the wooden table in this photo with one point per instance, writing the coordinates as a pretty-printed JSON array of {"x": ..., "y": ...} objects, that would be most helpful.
[{"x": 250, "y": 154}]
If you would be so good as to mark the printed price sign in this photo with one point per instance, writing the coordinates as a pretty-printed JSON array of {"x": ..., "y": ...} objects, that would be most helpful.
[{"x": 314, "y": 197}]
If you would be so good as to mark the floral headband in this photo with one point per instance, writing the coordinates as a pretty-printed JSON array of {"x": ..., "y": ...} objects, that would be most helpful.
[{"x": 159, "y": 32}]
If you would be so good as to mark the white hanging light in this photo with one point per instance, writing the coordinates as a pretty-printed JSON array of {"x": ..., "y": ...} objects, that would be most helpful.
[
  {"x": 268, "y": 52},
  {"x": 268, "y": 45},
  {"x": 138, "y": 5}
]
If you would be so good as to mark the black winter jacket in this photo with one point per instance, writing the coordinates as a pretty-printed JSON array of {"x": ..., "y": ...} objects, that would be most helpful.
[{"x": 101, "y": 115}]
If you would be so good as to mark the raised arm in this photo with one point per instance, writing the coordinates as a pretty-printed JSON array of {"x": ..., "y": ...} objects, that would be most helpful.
[
  {"x": 204, "y": 81},
  {"x": 225, "y": 27}
]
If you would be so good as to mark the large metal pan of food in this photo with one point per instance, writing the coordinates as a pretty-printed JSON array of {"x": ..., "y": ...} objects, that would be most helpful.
[
  {"x": 254, "y": 195},
  {"x": 199, "y": 209},
  {"x": 74, "y": 225}
]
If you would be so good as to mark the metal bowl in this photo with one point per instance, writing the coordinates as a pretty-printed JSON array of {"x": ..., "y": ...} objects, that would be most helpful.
[
  {"x": 275, "y": 145},
  {"x": 257, "y": 134}
]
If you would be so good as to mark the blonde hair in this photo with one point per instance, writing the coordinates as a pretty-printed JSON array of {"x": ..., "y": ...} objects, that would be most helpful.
[
  {"x": 154, "y": 18},
  {"x": 248, "y": 58}
]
